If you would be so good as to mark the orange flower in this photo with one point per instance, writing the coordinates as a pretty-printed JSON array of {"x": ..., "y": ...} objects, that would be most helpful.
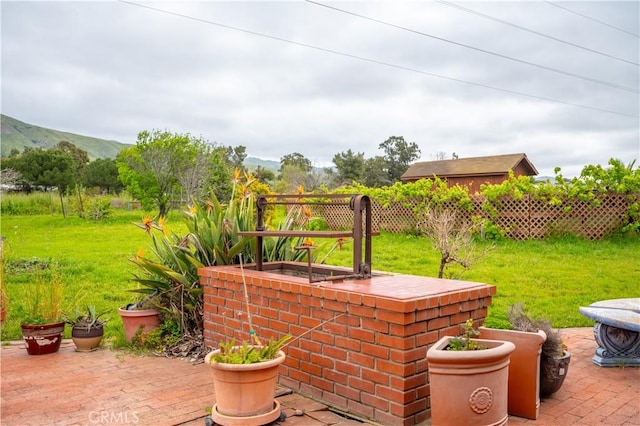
[
  {"x": 147, "y": 222},
  {"x": 161, "y": 224},
  {"x": 140, "y": 253},
  {"x": 308, "y": 242}
]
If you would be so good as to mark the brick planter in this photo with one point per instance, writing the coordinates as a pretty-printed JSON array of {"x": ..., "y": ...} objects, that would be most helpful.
[{"x": 371, "y": 360}]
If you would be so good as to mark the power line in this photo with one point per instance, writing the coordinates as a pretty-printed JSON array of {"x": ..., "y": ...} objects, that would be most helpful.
[
  {"x": 510, "y": 58},
  {"x": 374, "y": 61},
  {"x": 457, "y": 6},
  {"x": 592, "y": 19}
]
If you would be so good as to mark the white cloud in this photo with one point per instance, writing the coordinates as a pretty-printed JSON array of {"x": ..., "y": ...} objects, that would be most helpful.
[{"x": 109, "y": 69}]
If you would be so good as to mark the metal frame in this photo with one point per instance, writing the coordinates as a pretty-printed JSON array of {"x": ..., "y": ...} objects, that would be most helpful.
[{"x": 359, "y": 204}]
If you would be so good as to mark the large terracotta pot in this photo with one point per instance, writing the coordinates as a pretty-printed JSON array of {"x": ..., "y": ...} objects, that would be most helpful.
[
  {"x": 469, "y": 387},
  {"x": 42, "y": 339},
  {"x": 144, "y": 320},
  {"x": 245, "y": 393},
  {"x": 87, "y": 340},
  {"x": 524, "y": 369}
]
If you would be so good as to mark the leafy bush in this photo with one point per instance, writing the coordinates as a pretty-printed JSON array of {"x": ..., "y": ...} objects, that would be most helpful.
[
  {"x": 169, "y": 278},
  {"x": 593, "y": 182}
]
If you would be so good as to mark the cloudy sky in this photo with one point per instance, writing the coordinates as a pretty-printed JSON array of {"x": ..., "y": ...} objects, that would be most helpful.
[{"x": 558, "y": 81}]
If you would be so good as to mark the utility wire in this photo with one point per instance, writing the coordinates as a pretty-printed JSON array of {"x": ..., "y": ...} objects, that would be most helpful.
[
  {"x": 374, "y": 61},
  {"x": 593, "y": 19},
  {"x": 510, "y": 58},
  {"x": 446, "y": 3}
]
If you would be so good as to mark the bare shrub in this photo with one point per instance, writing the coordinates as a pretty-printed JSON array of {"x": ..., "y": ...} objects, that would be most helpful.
[{"x": 452, "y": 237}]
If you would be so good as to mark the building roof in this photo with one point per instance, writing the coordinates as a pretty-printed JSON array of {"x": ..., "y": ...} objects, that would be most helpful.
[{"x": 472, "y": 166}]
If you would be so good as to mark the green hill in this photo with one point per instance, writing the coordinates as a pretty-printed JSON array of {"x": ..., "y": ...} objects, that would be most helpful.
[
  {"x": 252, "y": 162},
  {"x": 19, "y": 135}
]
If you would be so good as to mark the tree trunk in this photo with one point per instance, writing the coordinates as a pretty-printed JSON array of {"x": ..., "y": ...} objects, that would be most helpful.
[{"x": 62, "y": 204}]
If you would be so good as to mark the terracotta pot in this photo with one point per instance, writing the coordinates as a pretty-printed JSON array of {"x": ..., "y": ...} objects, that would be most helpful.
[
  {"x": 524, "y": 369},
  {"x": 87, "y": 340},
  {"x": 550, "y": 385},
  {"x": 42, "y": 339},
  {"x": 141, "y": 319},
  {"x": 469, "y": 387},
  {"x": 245, "y": 391}
]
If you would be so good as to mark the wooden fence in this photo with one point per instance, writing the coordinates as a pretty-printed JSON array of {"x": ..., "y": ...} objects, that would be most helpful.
[{"x": 521, "y": 219}]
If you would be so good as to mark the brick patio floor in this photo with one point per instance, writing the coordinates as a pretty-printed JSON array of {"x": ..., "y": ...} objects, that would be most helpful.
[{"x": 110, "y": 387}]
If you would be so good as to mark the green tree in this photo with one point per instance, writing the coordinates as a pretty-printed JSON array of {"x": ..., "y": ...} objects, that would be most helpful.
[
  {"x": 49, "y": 169},
  {"x": 103, "y": 173},
  {"x": 399, "y": 154},
  {"x": 236, "y": 156},
  {"x": 350, "y": 166},
  {"x": 297, "y": 160},
  {"x": 375, "y": 172},
  {"x": 264, "y": 175},
  {"x": 291, "y": 178},
  {"x": 162, "y": 166},
  {"x": 80, "y": 156}
]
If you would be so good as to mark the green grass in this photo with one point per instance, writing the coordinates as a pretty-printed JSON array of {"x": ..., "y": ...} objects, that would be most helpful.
[
  {"x": 94, "y": 259},
  {"x": 554, "y": 277}
]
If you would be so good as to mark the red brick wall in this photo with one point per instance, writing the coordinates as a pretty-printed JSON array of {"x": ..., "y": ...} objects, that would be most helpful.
[{"x": 370, "y": 360}]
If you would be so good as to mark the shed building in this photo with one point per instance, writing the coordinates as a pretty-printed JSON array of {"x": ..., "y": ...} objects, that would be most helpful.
[{"x": 473, "y": 171}]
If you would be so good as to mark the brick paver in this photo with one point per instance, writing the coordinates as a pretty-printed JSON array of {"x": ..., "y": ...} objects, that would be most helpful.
[{"x": 107, "y": 387}]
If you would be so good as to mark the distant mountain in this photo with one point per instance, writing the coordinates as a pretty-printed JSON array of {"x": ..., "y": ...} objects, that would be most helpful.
[
  {"x": 19, "y": 135},
  {"x": 252, "y": 162}
]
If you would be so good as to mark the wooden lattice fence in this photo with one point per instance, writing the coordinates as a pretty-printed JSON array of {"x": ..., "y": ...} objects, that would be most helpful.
[{"x": 521, "y": 219}]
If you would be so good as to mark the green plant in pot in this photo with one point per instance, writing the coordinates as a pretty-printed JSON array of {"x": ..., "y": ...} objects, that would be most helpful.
[
  {"x": 43, "y": 325},
  {"x": 245, "y": 377},
  {"x": 468, "y": 379},
  {"x": 139, "y": 318},
  {"x": 87, "y": 329},
  {"x": 554, "y": 358}
]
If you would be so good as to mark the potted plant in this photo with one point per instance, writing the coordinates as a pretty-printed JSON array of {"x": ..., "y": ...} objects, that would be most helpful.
[
  {"x": 42, "y": 328},
  {"x": 468, "y": 378},
  {"x": 87, "y": 329},
  {"x": 524, "y": 366},
  {"x": 244, "y": 379},
  {"x": 138, "y": 318},
  {"x": 554, "y": 358},
  {"x": 245, "y": 376}
]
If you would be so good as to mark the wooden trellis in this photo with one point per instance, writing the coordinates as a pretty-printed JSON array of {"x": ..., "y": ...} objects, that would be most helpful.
[{"x": 521, "y": 219}]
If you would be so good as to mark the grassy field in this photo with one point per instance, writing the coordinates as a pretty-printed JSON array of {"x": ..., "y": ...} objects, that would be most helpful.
[{"x": 552, "y": 277}]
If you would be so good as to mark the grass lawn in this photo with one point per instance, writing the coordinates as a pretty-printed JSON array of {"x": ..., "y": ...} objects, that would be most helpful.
[
  {"x": 552, "y": 277},
  {"x": 94, "y": 259}
]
